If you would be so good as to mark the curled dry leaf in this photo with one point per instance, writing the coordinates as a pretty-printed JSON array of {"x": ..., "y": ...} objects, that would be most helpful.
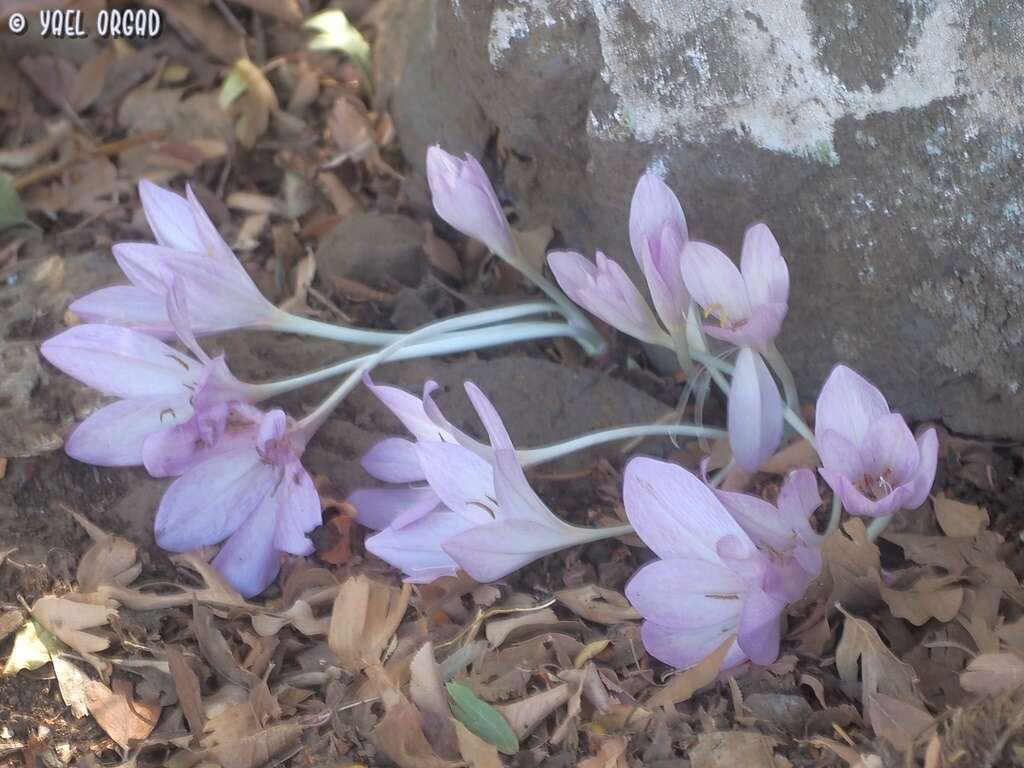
[
  {"x": 10, "y": 621},
  {"x": 689, "y": 681},
  {"x": 365, "y": 616},
  {"x": 929, "y": 598},
  {"x": 597, "y": 604},
  {"x": 611, "y": 754},
  {"x": 526, "y": 714},
  {"x": 474, "y": 750},
  {"x": 497, "y": 631},
  {"x": 726, "y": 749},
  {"x": 879, "y": 670},
  {"x": 959, "y": 519},
  {"x": 399, "y": 735},
  {"x": 73, "y": 684},
  {"x": 351, "y": 130},
  {"x": 215, "y": 648},
  {"x": 992, "y": 673},
  {"x": 187, "y": 686},
  {"x": 426, "y": 689},
  {"x": 854, "y": 566},
  {"x": 110, "y": 560},
  {"x": 68, "y": 621},
  {"x": 896, "y": 721},
  {"x": 300, "y": 616},
  {"x": 124, "y": 721}
]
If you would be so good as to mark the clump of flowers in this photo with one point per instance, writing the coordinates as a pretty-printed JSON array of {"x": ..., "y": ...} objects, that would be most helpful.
[{"x": 727, "y": 563}]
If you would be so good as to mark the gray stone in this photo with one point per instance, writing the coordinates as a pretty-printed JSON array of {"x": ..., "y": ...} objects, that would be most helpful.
[
  {"x": 379, "y": 249},
  {"x": 882, "y": 141}
]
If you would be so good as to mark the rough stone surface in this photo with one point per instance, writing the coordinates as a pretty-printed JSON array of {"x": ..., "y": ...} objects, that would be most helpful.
[
  {"x": 881, "y": 140},
  {"x": 379, "y": 249}
]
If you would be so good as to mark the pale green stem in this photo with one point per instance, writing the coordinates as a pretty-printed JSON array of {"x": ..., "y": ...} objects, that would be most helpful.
[
  {"x": 723, "y": 473},
  {"x": 878, "y": 525},
  {"x": 450, "y": 343},
  {"x": 289, "y": 323},
  {"x": 534, "y": 456},
  {"x": 774, "y": 358},
  {"x": 589, "y": 535},
  {"x": 837, "y": 513}
]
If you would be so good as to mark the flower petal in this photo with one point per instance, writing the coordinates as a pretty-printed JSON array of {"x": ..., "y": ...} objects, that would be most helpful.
[
  {"x": 394, "y": 460},
  {"x": 379, "y": 508},
  {"x": 761, "y": 521},
  {"x": 856, "y": 503},
  {"x": 248, "y": 560},
  {"x": 516, "y": 499},
  {"x": 495, "y": 427},
  {"x": 760, "y": 628},
  {"x": 450, "y": 432},
  {"x": 170, "y": 217},
  {"x": 214, "y": 245},
  {"x": 298, "y": 511},
  {"x": 764, "y": 270},
  {"x": 493, "y": 550},
  {"x": 685, "y": 649},
  {"x": 714, "y": 282},
  {"x": 686, "y": 594},
  {"x": 416, "y": 548},
  {"x": 114, "y": 435},
  {"x": 169, "y": 452},
  {"x": 207, "y": 503},
  {"x": 128, "y": 306},
  {"x": 407, "y": 408},
  {"x": 889, "y": 450},
  {"x": 120, "y": 361},
  {"x": 920, "y": 485},
  {"x": 757, "y": 331},
  {"x": 675, "y": 513},
  {"x": 461, "y": 479},
  {"x": 178, "y": 314},
  {"x": 838, "y": 454},
  {"x": 848, "y": 403},
  {"x": 654, "y": 205},
  {"x": 755, "y": 411}
]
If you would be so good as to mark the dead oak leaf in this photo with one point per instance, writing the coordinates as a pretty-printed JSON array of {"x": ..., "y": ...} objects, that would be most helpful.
[
  {"x": 68, "y": 620},
  {"x": 686, "y": 683},
  {"x": 959, "y": 519},
  {"x": 993, "y": 673},
  {"x": 898, "y": 722},
  {"x": 597, "y": 604},
  {"x": 123, "y": 720}
]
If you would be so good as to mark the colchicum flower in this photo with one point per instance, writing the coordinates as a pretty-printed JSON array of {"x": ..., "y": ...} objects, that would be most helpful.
[
  {"x": 249, "y": 488},
  {"x": 750, "y": 304},
  {"x": 869, "y": 455},
  {"x": 188, "y": 247},
  {"x": 488, "y": 521},
  {"x": 657, "y": 234},
  {"x": 464, "y": 198},
  {"x": 712, "y": 580}
]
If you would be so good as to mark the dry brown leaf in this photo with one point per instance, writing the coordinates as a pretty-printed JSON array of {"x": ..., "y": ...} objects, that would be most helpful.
[
  {"x": 879, "y": 670},
  {"x": 110, "y": 560},
  {"x": 959, "y": 519},
  {"x": 10, "y": 620},
  {"x": 187, "y": 686},
  {"x": 73, "y": 684},
  {"x": 526, "y": 714},
  {"x": 441, "y": 255},
  {"x": 597, "y": 604},
  {"x": 426, "y": 689},
  {"x": 848, "y": 754},
  {"x": 207, "y": 26},
  {"x": 67, "y": 620},
  {"x": 284, "y": 10},
  {"x": 686, "y": 683},
  {"x": 992, "y": 673},
  {"x": 498, "y": 630},
  {"x": 215, "y": 649},
  {"x": 854, "y": 566},
  {"x": 611, "y": 754},
  {"x": 30, "y": 154},
  {"x": 929, "y": 598},
  {"x": 1011, "y": 633},
  {"x": 300, "y": 616},
  {"x": 88, "y": 82},
  {"x": 798, "y": 454},
  {"x": 265, "y": 747},
  {"x": 533, "y": 244},
  {"x": 474, "y": 750},
  {"x": 399, "y": 735},
  {"x": 53, "y": 76},
  {"x": 898, "y": 722},
  {"x": 124, "y": 721},
  {"x": 366, "y": 614},
  {"x": 351, "y": 130},
  {"x": 729, "y": 749}
]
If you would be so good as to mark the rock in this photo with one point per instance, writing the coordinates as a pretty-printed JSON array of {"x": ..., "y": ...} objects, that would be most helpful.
[
  {"x": 377, "y": 249},
  {"x": 881, "y": 142}
]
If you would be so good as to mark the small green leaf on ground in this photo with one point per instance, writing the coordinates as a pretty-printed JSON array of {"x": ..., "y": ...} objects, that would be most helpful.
[{"x": 482, "y": 719}]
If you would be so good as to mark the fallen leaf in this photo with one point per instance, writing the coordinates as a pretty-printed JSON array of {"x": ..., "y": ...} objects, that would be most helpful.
[
  {"x": 959, "y": 519},
  {"x": 526, "y": 714},
  {"x": 898, "y": 722},
  {"x": 53, "y": 76},
  {"x": 187, "y": 686},
  {"x": 398, "y": 735},
  {"x": 31, "y": 649},
  {"x": 799, "y": 454},
  {"x": 533, "y": 244},
  {"x": 215, "y": 649},
  {"x": 365, "y": 616},
  {"x": 728, "y": 749},
  {"x": 854, "y": 566},
  {"x": 879, "y": 670},
  {"x": 611, "y": 754},
  {"x": 334, "y": 32},
  {"x": 12, "y": 619},
  {"x": 482, "y": 719},
  {"x": 340, "y": 549},
  {"x": 30, "y": 154},
  {"x": 88, "y": 82},
  {"x": 474, "y": 750},
  {"x": 207, "y": 26},
  {"x": 992, "y": 673},
  {"x": 498, "y": 630},
  {"x": 300, "y": 616},
  {"x": 597, "y": 604},
  {"x": 68, "y": 621},
  {"x": 351, "y": 130},
  {"x": 124, "y": 721},
  {"x": 427, "y": 691},
  {"x": 73, "y": 684},
  {"x": 264, "y": 747},
  {"x": 927, "y": 599},
  {"x": 110, "y": 560},
  {"x": 287, "y": 11},
  {"x": 689, "y": 681},
  {"x": 249, "y": 97}
]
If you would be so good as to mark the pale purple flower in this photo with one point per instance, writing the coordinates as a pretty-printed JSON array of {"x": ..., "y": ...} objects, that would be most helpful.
[
  {"x": 711, "y": 580},
  {"x": 489, "y": 522},
  {"x": 250, "y": 489},
  {"x": 162, "y": 392},
  {"x": 869, "y": 455},
  {"x": 605, "y": 290},
  {"x": 188, "y": 248},
  {"x": 754, "y": 416},
  {"x": 749, "y": 303},
  {"x": 463, "y": 196},
  {"x": 657, "y": 234}
]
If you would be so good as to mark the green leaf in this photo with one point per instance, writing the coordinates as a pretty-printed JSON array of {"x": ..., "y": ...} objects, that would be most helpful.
[
  {"x": 32, "y": 648},
  {"x": 234, "y": 85},
  {"x": 482, "y": 719},
  {"x": 336, "y": 33},
  {"x": 12, "y": 212}
]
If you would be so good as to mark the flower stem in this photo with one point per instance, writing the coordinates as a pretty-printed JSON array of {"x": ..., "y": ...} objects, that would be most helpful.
[
  {"x": 534, "y": 456},
  {"x": 445, "y": 344},
  {"x": 878, "y": 525},
  {"x": 306, "y": 326},
  {"x": 589, "y": 535},
  {"x": 774, "y": 358},
  {"x": 836, "y": 515}
]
